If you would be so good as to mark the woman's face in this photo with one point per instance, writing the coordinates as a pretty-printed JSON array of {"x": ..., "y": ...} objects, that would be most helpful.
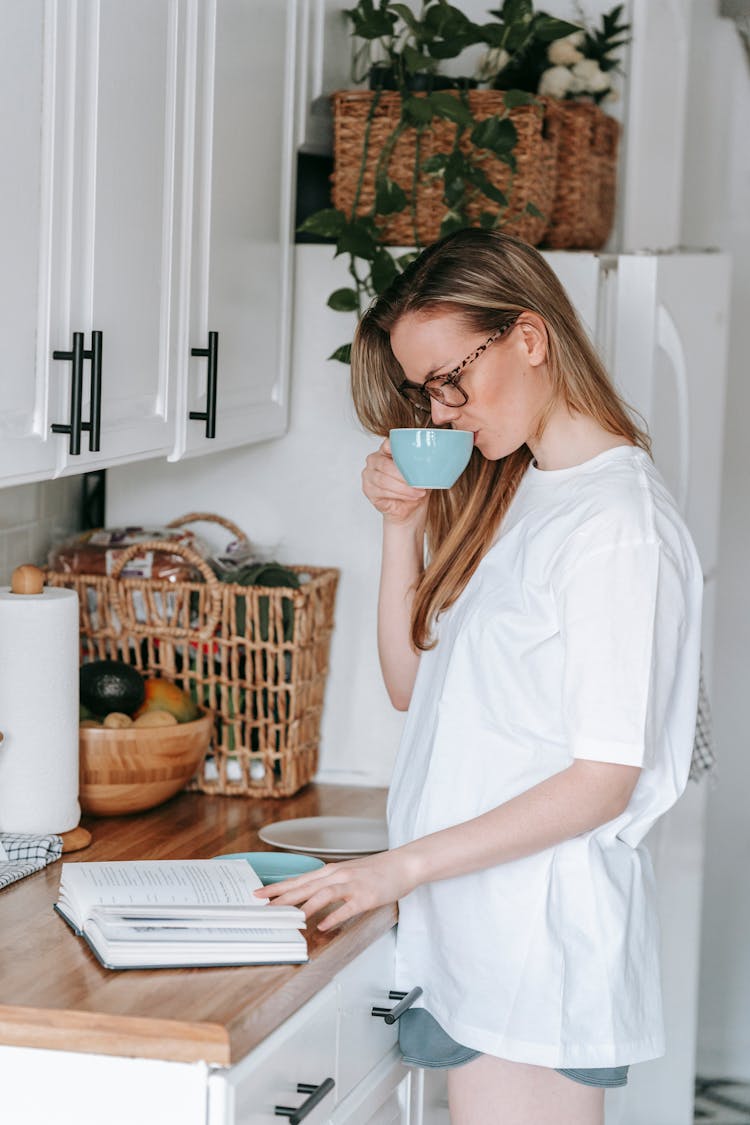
[{"x": 507, "y": 386}]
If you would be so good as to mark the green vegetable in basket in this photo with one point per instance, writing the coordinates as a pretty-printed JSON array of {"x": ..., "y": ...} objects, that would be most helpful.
[{"x": 264, "y": 574}]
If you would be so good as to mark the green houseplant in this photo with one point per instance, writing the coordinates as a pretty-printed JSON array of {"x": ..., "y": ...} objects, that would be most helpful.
[
  {"x": 473, "y": 150},
  {"x": 467, "y": 154}
]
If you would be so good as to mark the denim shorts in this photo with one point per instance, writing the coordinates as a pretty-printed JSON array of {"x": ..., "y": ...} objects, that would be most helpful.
[{"x": 423, "y": 1042}]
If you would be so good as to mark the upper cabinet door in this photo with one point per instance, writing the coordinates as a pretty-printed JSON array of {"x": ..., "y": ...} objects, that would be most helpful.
[
  {"x": 27, "y": 450},
  {"x": 234, "y": 334},
  {"x": 118, "y": 263}
]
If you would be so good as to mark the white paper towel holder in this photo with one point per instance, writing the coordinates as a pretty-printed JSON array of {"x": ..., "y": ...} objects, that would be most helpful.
[{"x": 28, "y": 579}]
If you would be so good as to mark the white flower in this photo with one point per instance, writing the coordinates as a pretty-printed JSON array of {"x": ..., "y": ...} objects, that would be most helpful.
[
  {"x": 564, "y": 52},
  {"x": 491, "y": 63},
  {"x": 612, "y": 96},
  {"x": 556, "y": 81},
  {"x": 588, "y": 73}
]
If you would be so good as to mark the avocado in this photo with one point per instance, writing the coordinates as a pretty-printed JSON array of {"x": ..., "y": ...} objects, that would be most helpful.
[{"x": 111, "y": 685}]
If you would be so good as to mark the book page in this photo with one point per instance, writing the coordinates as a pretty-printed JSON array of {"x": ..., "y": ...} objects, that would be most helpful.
[
  {"x": 228, "y": 917},
  {"x": 176, "y": 882}
]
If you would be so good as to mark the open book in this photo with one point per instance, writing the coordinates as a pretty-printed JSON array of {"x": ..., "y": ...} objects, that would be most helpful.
[{"x": 160, "y": 914}]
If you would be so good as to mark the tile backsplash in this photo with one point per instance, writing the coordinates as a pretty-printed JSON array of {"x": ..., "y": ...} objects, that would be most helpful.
[{"x": 32, "y": 517}]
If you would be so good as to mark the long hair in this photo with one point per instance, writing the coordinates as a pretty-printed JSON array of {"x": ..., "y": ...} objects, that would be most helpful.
[{"x": 485, "y": 277}]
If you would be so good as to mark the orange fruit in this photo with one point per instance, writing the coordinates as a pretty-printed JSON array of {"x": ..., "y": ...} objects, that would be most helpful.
[{"x": 162, "y": 695}]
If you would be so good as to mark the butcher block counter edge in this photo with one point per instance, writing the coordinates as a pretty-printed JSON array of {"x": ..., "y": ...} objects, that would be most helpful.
[
  {"x": 276, "y": 992},
  {"x": 179, "y": 1041}
]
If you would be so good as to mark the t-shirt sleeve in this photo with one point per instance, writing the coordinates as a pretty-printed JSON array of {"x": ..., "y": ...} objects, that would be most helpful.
[{"x": 621, "y": 612}]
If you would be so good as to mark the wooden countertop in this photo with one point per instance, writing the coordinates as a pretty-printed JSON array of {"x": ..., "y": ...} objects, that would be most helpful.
[{"x": 55, "y": 994}]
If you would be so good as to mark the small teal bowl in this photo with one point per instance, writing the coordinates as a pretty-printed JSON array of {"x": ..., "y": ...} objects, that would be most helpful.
[
  {"x": 431, "y": 458},
  {"x": 272, "y": 867}
]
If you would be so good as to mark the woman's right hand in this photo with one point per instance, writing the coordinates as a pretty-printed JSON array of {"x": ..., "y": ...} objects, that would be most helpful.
[{"x": 387, "y": 490}]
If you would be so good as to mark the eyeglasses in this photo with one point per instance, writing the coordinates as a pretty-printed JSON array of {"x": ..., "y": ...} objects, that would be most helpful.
[{"x": 445, "y": 388}]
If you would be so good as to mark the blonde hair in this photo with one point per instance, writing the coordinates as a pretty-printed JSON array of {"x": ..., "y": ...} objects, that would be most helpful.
[{"x": 485, "y": 277}]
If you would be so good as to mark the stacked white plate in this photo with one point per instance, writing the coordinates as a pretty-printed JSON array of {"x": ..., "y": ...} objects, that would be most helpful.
[{"x": 328, "y": 837}]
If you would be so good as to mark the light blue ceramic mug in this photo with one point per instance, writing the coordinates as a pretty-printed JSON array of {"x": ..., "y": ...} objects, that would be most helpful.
[{"x": 431, "y": 458}]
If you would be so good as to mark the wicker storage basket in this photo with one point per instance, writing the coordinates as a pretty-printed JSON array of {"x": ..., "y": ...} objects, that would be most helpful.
[
  {"x": 533, "y": 181},
  {"x": 256, "y": 656},
  {"x": 584, "y": 207}
]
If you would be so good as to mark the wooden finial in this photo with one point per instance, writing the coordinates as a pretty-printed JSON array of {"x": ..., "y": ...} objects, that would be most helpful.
[{"x": 27, "y": 579}]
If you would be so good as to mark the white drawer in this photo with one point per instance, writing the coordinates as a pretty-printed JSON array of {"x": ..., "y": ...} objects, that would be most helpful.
[
  {"x": 302, "y": 1050},
  {"x": 364, "y": 1039}
]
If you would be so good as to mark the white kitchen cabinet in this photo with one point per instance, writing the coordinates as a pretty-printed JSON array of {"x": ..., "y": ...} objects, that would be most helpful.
[
  {"x": 147, "y": 210},
  {"x": 237, "y": 225},
  {"x": 334, "y": 1036},
  {"x": 302, "y": 1051},
  {"x": 26, "y": 84},
  {"x": 118, "y": 274}
]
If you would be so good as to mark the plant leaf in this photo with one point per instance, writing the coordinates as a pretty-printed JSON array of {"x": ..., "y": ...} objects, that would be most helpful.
[
  {"x": 513, "y": 98},
  {"x": 328, "y": 223},
  {"x": 477, "y": 177},
  {"x": 358, "y": 238},
  {"x": 532, "y": 210},
  {"x": 344, "y": 300},
  {"x": 547, "y": 28},
  {"x": 417, "y": 111},
  {"x": 407, "y": 16},
  {"x": 375, "y": 24},
  {"x": 406, "y": 259},
  {"x": 487, "y": 220},
  {"x": 390, "y": 197},
  {"x": 383, "y": 271},
  {"x": 451, "y": 222},
  {"x": 448, "y": 106},
  {"x": 435, "y": 163},
  {"x": 342, "y": 354},
  {"x": 455, "y": 179},
  {"x": 495, "y": 133},
  {"x": 415, "y": 60}
]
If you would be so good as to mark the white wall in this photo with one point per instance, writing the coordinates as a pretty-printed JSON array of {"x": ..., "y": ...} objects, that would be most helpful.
[{"x": 32, "y": 518}]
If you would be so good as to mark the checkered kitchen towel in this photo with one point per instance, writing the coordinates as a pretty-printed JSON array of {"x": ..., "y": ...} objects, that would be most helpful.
[
  {"x": 704, "y": 759},
  {"x": 23, "y": 853}
]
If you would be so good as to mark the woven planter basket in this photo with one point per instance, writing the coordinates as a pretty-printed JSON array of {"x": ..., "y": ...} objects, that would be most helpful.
[
  {"x": 584, "y": 207},
  {"x": 257, "y": 656},
  {"x": 533, "y": 181}
]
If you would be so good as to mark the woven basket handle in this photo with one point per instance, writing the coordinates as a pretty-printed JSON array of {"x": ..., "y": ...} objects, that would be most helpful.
[
  {"x": 209, "y": 517},
  {"x": 172, "y": 631}
]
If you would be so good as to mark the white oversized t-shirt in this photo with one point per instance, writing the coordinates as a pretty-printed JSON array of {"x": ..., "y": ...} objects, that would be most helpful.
[{"x": 578, "y": 636}]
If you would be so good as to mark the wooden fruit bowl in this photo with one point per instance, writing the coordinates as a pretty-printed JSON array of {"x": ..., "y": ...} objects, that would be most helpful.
[{"x": 126, "y": 771}]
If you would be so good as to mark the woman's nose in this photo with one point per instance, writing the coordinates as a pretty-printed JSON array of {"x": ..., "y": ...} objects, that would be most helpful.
[{"x": 442, "y": 414}]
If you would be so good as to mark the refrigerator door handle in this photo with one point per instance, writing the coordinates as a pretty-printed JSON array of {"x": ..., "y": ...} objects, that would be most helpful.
[{"x": 668, "y": 339}]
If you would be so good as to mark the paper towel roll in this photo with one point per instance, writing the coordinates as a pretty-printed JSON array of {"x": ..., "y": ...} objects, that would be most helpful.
[{"x": 39, "y": 659}]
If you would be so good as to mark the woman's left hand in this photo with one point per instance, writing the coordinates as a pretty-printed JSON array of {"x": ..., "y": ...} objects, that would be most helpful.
[{"x": 358, "y": 884}]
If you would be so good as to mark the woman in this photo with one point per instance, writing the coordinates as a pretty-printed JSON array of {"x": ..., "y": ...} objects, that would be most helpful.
[{"x": 548, "y": 657}]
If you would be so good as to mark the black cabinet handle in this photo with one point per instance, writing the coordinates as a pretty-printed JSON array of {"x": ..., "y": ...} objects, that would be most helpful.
[
  {"x": 94, "y": 425},
  {"x": 76, "y": 425},
  {"x": 390, "y": 1015},
  {"x": 317, "y": 1093},
  {"x": 73, "y": 427},
  {"x": 209, "y": 414}
]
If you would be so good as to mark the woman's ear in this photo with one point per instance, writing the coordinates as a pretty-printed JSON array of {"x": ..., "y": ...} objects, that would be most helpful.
[{"x": 533, "y": 334}]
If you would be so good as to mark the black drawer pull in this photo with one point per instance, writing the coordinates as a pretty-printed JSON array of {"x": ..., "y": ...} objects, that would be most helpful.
[
  {"x": 317, "y": 1093},
  {"x": 76, "y": 425},
  {"x": 390, "y": 1015},
  {"x": 211, "y": 353}
]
